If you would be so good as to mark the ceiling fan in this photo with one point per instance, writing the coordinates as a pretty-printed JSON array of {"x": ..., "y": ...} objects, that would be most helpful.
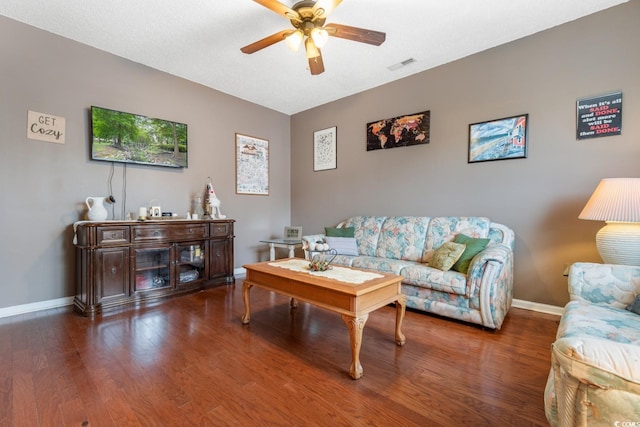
[{"x": 308, "y": 18}]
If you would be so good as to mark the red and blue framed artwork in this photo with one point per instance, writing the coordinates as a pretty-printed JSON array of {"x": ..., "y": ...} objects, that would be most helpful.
[{"x": 499, "y": 139}]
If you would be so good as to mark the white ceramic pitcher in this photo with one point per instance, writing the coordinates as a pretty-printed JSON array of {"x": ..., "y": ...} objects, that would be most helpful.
[{"x": 97, "y": 211}]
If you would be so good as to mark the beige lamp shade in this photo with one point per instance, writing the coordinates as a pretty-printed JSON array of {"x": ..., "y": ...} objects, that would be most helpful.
[{"x": 617, "y": 202}]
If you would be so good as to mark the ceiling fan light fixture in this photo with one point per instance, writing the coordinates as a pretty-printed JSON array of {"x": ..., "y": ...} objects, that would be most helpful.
[
  {"x": 320, "y": 36},
  {"x": 294, "y": 39},
  {"x": 311, "y": 48}
]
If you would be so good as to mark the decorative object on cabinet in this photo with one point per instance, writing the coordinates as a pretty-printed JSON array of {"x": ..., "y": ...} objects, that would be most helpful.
[
  {"x": 252, "y": 165},
  {"x": 325, "y": 149},
  {"x": 402, "y": 131},
  {"x": 121, "y": 263},
  {"x": 599, "y": 116},
  {"x": 212, "y": 203},
  {"x": 617, "y": 202},
  {"x": 499, "y": 139},
  {"x": 97, "y": 211},
  {"x": 155, "y": 210}
]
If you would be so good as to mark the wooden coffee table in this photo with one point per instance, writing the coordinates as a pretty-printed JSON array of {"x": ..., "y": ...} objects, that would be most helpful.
[{"x": 354, "y": 301}]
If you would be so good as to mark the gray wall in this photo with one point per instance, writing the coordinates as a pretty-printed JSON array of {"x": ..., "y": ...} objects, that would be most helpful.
[
  {"x": 44, "y": 185},
  {"x": 539, "y": 197}
]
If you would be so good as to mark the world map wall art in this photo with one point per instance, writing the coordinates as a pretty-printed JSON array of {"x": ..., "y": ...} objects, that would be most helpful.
[{"x": 402, "y": 131}]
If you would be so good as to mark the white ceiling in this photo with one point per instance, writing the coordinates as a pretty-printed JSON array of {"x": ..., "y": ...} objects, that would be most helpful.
[{"x": 200, "y": 40}]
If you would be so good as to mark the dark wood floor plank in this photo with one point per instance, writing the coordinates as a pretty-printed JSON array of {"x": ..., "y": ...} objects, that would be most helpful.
[{"x": 190, "y": 361}]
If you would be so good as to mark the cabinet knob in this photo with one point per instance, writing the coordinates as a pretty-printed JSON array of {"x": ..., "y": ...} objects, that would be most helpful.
[
  {"x": 191, "y": 231},
  {"x": 156, "y": 232},
  {"x": 113, "y": 270}
]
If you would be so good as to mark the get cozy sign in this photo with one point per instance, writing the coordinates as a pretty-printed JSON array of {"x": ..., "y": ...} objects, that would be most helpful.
[{"x": 45, "y": 127}]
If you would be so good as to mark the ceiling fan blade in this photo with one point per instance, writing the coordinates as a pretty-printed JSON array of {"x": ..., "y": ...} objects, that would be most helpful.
[
  {"x": 323, "y": 8},
  {"x": 356, "y": 34},
  {"x": 266, "y": 42},
  {"x": 280, "y": 9},
  {"x": 316, "y": 66}
]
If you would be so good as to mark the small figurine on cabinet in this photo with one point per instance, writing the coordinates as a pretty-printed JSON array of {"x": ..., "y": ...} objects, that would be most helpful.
[{"x": 213, "y": 202}]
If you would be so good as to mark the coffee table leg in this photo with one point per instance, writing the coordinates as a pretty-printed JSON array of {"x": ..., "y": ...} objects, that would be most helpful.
[
  {"x": 246, "y": 317},
  {"x": 355, "y": 326},
  {"x": 401, "y": 305}
]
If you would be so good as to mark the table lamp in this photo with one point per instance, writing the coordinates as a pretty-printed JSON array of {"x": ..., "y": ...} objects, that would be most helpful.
[{"x": 617, "y": 202}]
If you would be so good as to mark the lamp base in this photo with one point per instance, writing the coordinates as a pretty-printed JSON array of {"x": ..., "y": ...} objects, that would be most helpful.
[{"x": 619, "y": 243}]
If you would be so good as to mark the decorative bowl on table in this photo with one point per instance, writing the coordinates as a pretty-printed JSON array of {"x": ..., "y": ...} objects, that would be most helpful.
[{"x": 321, "y": 261}]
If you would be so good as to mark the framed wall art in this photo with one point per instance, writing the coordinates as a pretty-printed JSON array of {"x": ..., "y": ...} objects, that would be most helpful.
[
  {"x": 402, "y": 131},
  {"x": 324, "y": 149},
  {"x": 599, "y": 116},
  {"x": 252, "y": 165},
  {"x": 499, "y": 139}
]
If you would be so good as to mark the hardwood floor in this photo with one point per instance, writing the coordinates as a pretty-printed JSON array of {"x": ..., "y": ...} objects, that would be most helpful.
[{"x": 189, "y": 361}]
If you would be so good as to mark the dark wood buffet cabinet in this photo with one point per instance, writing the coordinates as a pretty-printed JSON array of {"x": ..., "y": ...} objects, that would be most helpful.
[{"x": 131, "y": 262}]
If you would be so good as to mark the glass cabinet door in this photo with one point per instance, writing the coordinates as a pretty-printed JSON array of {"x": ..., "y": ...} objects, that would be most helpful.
[
  {"x": 191, "y": 263},
  {"x": 152, "y": 269}
]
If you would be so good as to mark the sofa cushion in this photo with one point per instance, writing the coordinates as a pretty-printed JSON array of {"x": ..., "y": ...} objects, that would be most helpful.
[
  {"x": 423, "y": 276},
  {"x": 346, "y": 260},
  {"x": 385, "y": 265},
  {"x": 446, "y": 255},
  {"x": 473, "y": 247},
  {"x": 446, "y": 228},
  {"x": 367, "y": 232},
  {"x": 339, "y": 231},
  {"x": 343, "y": 245},
  {"x": 403, "y": 237},
  {"x": 582, "y": 318}
]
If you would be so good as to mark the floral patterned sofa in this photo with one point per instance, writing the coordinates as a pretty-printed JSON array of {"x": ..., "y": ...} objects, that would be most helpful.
[
  {"x": 595, "y": 360},
  {"x": 404, "y": 245}
]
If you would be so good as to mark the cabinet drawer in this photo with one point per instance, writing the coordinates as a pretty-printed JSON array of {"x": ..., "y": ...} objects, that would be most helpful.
[
  {"x": 220, "y": 230},
  {"x": 170, "y": 232},
  {"x": 112, "y": 235}
]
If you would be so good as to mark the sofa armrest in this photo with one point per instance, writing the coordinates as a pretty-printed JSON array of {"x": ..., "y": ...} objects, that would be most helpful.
[
  {"x": 490, "y": 281},
  {"x": 610, "y": 284},
  {"x": 598, "y": 361},
  {"x": 596, "y": 381},
  {"x": 493, "y": 252}
]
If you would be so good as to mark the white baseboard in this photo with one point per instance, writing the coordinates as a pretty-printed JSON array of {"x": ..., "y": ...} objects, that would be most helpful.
[
  {"x": 238, "y": 272},
  {"x": 535, "y": 306},
  {"x": 35, "y": 306}
]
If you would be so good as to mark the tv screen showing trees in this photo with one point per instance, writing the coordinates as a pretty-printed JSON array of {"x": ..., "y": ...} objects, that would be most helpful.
[{"x": 131, "y": 138}]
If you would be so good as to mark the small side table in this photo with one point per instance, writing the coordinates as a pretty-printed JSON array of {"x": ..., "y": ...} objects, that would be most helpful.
[{"x": 281, "y": 243}]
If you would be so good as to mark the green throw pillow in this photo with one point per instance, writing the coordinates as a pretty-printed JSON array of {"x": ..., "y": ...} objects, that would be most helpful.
[
  {"x": 340, "y": 232},
  {"x": 474, "y": 247},
  {"x": 446, "y": 255}
]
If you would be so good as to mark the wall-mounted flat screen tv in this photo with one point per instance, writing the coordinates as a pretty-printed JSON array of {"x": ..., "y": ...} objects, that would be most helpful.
[{"x": 131, "y": 138}]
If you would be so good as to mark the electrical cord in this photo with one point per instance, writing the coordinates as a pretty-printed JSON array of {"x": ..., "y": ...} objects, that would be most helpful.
[
  {"x": 124, "y": 191},
  {"x": 110, "y": 190}
]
